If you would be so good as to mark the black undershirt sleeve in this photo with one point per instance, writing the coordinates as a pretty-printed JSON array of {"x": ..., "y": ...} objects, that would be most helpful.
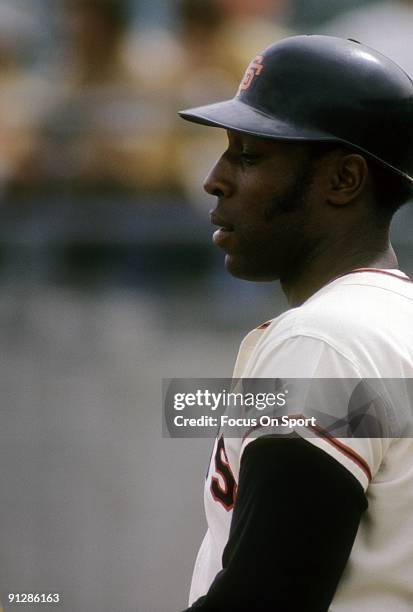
[{"x": 294, "y": 523}]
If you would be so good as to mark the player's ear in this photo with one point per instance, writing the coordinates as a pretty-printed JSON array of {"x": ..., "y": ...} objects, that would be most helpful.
[{"x": 348, "y": 173}]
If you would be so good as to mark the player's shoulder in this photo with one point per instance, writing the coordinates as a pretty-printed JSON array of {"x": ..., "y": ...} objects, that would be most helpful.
[{"x": 361, "y": 305}]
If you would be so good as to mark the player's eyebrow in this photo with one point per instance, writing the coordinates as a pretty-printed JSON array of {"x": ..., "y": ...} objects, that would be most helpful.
[{"x": 240, "y": 140}]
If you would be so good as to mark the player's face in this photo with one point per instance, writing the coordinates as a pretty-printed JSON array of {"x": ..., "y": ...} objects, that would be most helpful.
[{"x": 264, "y": 206}]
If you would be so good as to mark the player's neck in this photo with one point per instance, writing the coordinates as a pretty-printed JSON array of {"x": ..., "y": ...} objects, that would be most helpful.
[{"x": 332, "y": 264}]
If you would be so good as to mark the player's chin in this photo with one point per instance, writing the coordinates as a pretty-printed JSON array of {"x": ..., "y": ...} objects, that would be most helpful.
[{"x": 245, "y": 269}]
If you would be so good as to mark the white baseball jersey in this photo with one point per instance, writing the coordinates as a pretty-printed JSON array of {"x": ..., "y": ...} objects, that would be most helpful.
[{"x": 358, "y": 326}]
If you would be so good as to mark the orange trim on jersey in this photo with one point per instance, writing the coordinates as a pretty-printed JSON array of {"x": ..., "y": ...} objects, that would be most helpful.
[
  {"x": 404, "y": 278},
  {"x": 344, "y": 449},
  {"x": 218, "y": 499},
  {"x": 223, "y": 489},
  {"x": 338, "y": 445},
  {"x": 265, "y": 325}
]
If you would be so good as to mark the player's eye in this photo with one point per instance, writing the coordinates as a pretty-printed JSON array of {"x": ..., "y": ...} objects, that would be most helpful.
[{"x": 249, "y": 159}]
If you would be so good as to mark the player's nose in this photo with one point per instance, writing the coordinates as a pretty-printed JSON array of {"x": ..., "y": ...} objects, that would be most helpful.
[{"x": 217, "y": 182}]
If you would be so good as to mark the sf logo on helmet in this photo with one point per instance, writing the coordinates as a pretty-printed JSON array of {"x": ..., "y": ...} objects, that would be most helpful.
[{"x": 253, "y": 70}]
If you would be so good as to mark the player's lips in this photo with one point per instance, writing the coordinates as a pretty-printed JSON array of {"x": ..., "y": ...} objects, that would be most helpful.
[{"x": 224, "y": 231}]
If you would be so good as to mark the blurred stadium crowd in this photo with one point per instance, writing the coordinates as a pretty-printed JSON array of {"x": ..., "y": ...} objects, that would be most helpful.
[
  {"x": 109, "y": 281},
  {"x": 89, "y": 97},
  {"x": 99, "y": 179}
]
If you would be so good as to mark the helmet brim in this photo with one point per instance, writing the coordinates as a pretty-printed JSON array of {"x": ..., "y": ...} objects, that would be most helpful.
[{"x": 240, "y": 117}]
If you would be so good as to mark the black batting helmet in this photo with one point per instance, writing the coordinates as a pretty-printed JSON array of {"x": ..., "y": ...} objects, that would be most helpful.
[{"x": 323, "y": 89}]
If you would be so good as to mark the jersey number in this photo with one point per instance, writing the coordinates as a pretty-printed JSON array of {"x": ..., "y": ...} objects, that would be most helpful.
[{"x": 226, "y": 493}]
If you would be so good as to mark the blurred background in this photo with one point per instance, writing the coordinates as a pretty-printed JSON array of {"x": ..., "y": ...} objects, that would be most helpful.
[{"x": 109, "y": 281}]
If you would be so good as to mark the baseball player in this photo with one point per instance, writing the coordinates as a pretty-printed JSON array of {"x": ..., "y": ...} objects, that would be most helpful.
[{"x": 319, "y": 157}]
